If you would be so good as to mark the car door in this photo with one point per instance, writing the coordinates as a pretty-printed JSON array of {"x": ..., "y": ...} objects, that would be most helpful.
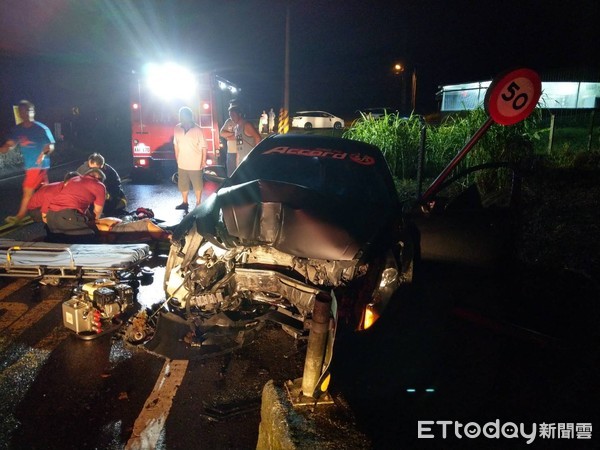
[
  {"x": 317, "y": 120},
  {"x": 471, "y": 220},
  {"x": 328, "y": 120}
]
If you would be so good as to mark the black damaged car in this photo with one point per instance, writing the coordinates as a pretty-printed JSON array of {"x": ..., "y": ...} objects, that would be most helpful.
[{"x": 301, "y": 216}]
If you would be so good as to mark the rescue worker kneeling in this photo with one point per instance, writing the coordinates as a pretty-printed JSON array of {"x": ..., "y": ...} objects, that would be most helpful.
[
  {"x": 69, "y": 217},
  {"x": 38, "y": 205}
]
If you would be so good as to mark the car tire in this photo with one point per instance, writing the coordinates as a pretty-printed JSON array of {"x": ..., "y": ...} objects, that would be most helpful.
[
  {"x": 307, "y": 126},
  {"x": 337, "y": 125}
]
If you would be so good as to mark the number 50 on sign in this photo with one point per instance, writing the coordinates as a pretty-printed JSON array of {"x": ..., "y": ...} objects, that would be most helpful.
[{"x": 512, "y": 96}]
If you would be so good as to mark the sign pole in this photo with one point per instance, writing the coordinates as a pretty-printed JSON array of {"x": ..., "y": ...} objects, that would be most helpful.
[
  {"x": 459, "y": 156},
  {"x": 511, "y": 98}
]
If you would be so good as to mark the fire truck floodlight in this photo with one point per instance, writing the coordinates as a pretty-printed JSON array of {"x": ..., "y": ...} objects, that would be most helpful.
[
  {"x": 226, "y": 85},
  {"x": 171, "y": 81}
]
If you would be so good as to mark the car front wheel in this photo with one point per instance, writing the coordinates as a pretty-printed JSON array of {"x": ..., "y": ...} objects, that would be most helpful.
[
  {"x": 337, "y": 125},
  {"x": 307, "y": 126}
]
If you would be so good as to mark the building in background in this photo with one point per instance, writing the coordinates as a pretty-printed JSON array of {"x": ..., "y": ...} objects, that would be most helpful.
[{"x": 555, "y": 95}]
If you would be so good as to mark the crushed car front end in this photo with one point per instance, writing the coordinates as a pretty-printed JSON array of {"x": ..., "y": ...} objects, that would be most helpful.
[{"x": 302, "y": 216}]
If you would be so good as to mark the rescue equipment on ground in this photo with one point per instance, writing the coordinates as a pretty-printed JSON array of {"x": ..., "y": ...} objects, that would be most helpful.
[{"x": 96, "y": 308}]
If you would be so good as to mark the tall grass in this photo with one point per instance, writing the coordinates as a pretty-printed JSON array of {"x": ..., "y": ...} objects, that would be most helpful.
[
  {"x": 513, "y": 143},
  {"x": 399, "y": 138}
]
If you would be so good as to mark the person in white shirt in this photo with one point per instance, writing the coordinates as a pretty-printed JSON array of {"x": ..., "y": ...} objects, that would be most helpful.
[
  {"x": 190, "y": 152},
  {"x": 246, "y": 136},
  {"x": 264, "y": 119},
  {"x": 271, "y": 120},
  {"x": 227, "y": 132}
]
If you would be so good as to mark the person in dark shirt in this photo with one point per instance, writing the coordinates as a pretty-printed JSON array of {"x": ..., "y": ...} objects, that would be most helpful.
[{"x": 116, "y": 202}]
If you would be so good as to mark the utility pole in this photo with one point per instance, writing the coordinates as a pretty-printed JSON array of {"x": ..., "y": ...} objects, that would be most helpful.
[
  {"x": 399, "y": 70},
  {"x": 413, "y": 92},
  {"x": 284, "y": 118}
]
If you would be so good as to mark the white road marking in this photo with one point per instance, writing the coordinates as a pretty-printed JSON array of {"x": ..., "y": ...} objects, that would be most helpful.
[
  {"x": 12, "y": 311},
  {"x": 30, "y": 318},
  {"x": 13, "y": 287},
  {"x": 17, "y": 378},
  {"x": 150, "y": 423}
]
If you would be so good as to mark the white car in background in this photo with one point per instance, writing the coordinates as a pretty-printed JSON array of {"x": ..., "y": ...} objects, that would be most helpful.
[{"x": 316, "y": 119}]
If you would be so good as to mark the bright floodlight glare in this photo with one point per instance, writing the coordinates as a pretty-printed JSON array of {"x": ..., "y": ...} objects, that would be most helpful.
[{"x": 170, "y": 81}]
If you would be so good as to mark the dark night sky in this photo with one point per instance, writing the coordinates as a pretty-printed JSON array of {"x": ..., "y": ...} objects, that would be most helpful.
[{"x": 341, "y": 52}]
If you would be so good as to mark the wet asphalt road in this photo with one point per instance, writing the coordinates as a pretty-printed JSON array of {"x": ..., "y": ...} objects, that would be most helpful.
[
  {"x": 436, "y": 356},
  {"x": 61, "y": 392}
]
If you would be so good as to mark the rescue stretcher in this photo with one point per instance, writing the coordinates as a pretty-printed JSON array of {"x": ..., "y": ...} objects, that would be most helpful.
[{"x": 69, "y": 261}]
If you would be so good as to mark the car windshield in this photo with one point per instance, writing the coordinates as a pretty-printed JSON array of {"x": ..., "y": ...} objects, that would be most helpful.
[{"x": 354, "y": 176}]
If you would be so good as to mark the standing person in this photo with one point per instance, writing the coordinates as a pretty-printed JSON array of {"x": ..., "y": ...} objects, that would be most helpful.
[
  {"x": 68, "y": 211},
  {"x": 264, "y": 119},
  {"x": 271, "y": 120},
  {"x": 36, "y": 142},
  {"x": 190, "y": 153},
  {"x": 116, "y": 202},
  {"x": 227, "y": 132},
  {"x": 246, "y": 135}
]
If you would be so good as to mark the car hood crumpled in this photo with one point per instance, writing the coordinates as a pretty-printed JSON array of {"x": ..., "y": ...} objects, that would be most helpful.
[{"x": 290, "y": 218}]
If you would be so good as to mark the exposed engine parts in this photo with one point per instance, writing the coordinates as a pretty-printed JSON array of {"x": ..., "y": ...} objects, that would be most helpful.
[{"x": 95, "y": 308}]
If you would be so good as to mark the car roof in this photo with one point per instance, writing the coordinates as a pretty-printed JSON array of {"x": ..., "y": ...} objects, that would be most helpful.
[
  {"x": 321, "y": 141},
  {"x": 304, "y": 112},
  {"x": 387, "y": 108},
  {"x": 303, "y": 173}
]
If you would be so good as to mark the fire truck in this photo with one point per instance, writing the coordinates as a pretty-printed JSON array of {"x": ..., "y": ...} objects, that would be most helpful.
[{"x": 157, "y": 95}]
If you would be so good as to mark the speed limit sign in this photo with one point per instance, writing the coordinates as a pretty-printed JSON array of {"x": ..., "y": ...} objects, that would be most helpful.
[{"x": 512, "y": 96}]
